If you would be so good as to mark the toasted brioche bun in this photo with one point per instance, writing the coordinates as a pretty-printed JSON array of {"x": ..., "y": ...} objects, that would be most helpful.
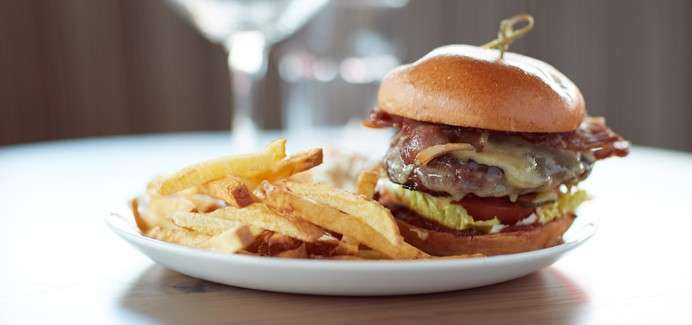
[
  {"x": 446, "y": 244},
  {"x": 469, "y": 86}
]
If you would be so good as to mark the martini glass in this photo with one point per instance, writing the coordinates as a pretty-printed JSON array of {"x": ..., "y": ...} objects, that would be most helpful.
[{"x": 247, "y": 29}]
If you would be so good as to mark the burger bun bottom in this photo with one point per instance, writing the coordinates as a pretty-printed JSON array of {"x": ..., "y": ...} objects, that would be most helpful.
[{"x": 439, "y": 243}]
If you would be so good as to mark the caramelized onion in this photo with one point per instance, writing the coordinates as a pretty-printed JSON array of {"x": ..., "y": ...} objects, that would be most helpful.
[{"x": 426, "y": 155}]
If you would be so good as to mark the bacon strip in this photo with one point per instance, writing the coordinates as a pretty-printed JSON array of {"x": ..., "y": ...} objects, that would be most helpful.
[{"x": 592, "y": 135}]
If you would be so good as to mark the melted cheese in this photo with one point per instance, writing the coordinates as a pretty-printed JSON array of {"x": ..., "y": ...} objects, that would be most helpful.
[{"x": 525, "y": 165}]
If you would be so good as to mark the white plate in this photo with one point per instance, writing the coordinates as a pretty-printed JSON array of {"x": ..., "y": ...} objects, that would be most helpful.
[{"x": 362, "y": 278}]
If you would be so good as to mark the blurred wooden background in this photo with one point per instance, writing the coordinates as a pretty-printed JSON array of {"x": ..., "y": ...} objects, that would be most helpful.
[{"x": 76, "y": 68}]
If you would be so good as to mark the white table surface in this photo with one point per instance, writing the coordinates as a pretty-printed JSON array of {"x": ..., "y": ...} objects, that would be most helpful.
[{"x": 60, "y": 263}]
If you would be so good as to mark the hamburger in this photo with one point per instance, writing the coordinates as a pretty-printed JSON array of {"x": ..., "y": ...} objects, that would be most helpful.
[{"x": 488, "y": 151}]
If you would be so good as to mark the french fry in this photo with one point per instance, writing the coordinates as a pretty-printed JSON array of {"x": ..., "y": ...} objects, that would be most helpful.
[
  {"x": 299, "y": 252},
  {"x": 370, "y": 254},
  {"x": 205, "y": 224},
  {"x": 142, "y": 224},
  {"x": 346, "y": 258},
  {"x": 368, "y": 211},
  {"x": 287, "y": 215},
  {"x": 349, "y": 240},
  {"x": 160, "y": 208},
  {"x": 247, "y": 165},
  {"x": 231, "y": 189},
  {"x": 154, "y": 185},
  {"x": 302, "y": 177},
  {"x": 229, "y": 241},
  {"x": 366, "y": 183},
  {"x": 290, "y": 204},
  {"x": 232, "y": 239},
  {"x": 270, "y": 243},
  {"x": 260, "y": 216},
  {"x": 164, "y": 206},
  {"x": 177, "y": 235},
  {"x": 295, "y": 164},
  {"x": 347, "y": 246},
  {"x": 325, "y": 247},
  {"x": 202, "y": 202}
]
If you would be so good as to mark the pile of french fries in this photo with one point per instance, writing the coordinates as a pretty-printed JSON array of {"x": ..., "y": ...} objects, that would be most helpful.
[{"x": 262, "y": 204}]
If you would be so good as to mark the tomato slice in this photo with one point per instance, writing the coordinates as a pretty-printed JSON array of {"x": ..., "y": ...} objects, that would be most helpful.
[{"x": 486, "y": 208}]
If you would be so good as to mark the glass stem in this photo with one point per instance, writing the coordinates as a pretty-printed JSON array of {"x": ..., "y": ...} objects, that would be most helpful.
[{"x": 247, "y": 60}]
